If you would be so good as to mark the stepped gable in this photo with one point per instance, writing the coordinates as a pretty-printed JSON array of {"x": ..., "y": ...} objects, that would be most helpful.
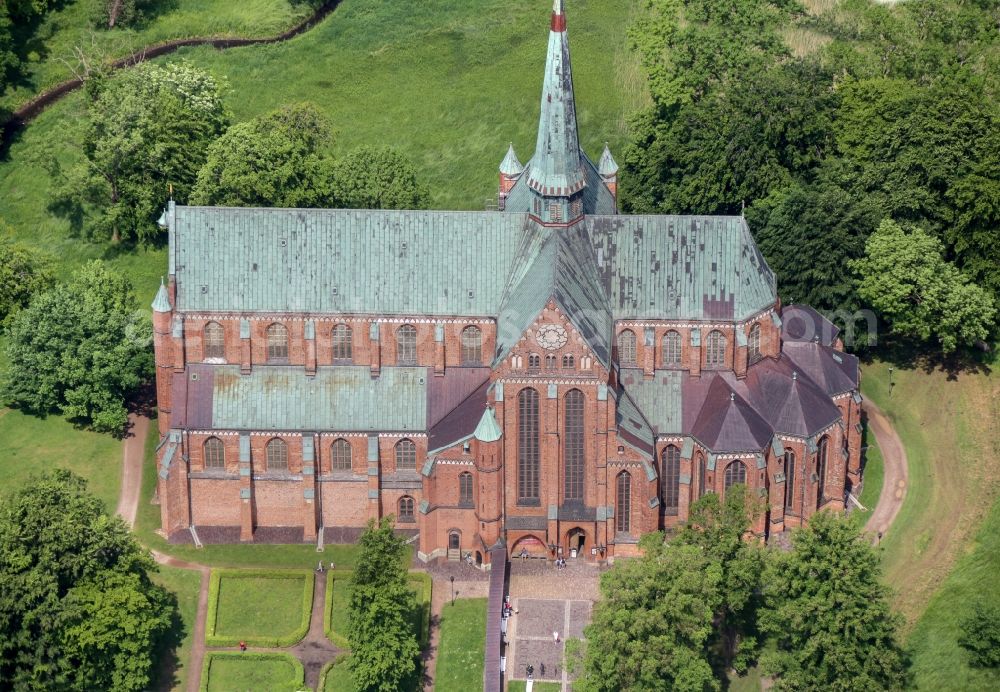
[
  {"x": 728, "y": 423},
  {"x": 790, "y": 401},
  {"x": 834, "y": 371}
]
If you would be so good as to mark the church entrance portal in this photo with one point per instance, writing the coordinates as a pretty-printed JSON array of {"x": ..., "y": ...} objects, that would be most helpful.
[{"x": 576, "y": 539}]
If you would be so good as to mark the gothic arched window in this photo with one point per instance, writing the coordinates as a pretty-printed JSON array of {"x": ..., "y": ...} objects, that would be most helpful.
[
  {"x": 527, "y": 445},
  {"x": 753, "y": 343},
  {"x": 568, "y": 362},
  {"x": 671, "y": 348},
  {"x": 736, "y": 472},
  {"x": 821, "y": 470},
  {"x": 342, "y": 343},
  {"x": 670, "y": 478},
  {"x": 472, "y": 346},
  {"x": 716, "y": 351},
  {"x": 406, "y": 345},
  {"x": 465, "y": 489},
  {"x": 626, "y": 348},
  {"x": 406, "y": 456},
  {"x": 215, "y": 340},
  {"x": 789, "y": 479},
  {"x": 277, "y": 455},
  {"x": 406, "y": 509},
  {"x": 623, "y": 510},
  {"x": 700, "y": 464},
  {"x": 215, "y": 453},
  {"x": 573, "y": 445},
  {"x": 340, "y": 455},
  {"x": 277, "y": 342}
]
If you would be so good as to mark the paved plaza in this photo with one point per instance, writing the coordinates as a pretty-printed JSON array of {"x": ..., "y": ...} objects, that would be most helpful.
[{"x": 547, "y": 600}]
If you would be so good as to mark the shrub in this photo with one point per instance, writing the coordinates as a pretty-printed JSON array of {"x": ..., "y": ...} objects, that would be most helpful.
[{"x": 981, "y": 636}]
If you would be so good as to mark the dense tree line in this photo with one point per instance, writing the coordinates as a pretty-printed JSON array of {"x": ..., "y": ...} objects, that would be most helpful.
[
  {"x": 892, "y": 113},
  {"x": 78, "y": 610},
  {"x": 708, "y": 601}
]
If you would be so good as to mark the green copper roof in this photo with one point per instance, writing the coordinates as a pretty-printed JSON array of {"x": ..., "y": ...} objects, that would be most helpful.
[
  {"x": 162, "y": 301},
  {"x": 659, "y": 398},
  {"x": 488, "y": 429},
  {"x": 341, "y": 399},
  {"x": 555, "y": 169},
  {"x": 607, "y": 165},
  {"x": 342, "y": 261},
  {"x": 510, "y": 164}
]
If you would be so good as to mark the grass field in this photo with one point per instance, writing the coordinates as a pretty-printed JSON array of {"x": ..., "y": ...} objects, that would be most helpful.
[
  {"x": 337, "y": 677},
  {"x": 520, "y": 686},
  {"x": 54, "y": 49},
  {"x": 462, "y": 642},
  {"x": 184, "y": 583},
  {"x": 259, "y": 606},
  {"x": 231, "y": 672},
  {"x": 873, "y": 477},
  {"x": 32, "y": 445}
]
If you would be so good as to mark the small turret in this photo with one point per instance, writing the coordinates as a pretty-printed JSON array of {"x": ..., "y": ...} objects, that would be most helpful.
[
  {"x": 163, "y": 355},
  {"x": 488, "y": 451},
  {"x": 608, "y": 169},
  {"x": 510, "y": 170}
]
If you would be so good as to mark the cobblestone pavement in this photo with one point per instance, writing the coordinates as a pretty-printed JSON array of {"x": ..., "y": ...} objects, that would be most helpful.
[{"x": 546, "y": 601}]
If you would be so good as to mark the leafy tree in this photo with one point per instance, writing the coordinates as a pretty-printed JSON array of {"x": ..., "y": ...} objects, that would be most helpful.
[
  {"x": 275, "y": 160},
  {"x": 77, "y": 608},
  {"x": 9, "y": 62},
  {"x": 80, "y": 348},
  {"x": 905, "y": 278},
  {"x": 378, "y": 178},
  {"x": 719, "y": 529},
  {"x": 828, "y": 613},
  {"x": 981, "y": 636},
  {"x": 149, "y": 128},
  {"x": 652, "y": 628},
  {"x": 112, "y": 13},
  {"x": 384, "y": 649},
  {"x": 24, "y": 272}
]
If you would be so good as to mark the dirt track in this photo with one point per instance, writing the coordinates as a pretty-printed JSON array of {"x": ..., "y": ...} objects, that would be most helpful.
[{"x": 896, "y": 472}]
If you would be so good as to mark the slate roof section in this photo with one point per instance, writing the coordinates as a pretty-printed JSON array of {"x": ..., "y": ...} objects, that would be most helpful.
[
  {"x": 728, "y": 423},
  {"x": 681, "y": 267},
  {"x": 342, "y": 261},
  {"x": 460, "y": 422},
  {"x": 791, "y": 402},
  {"x": 834, "y": 371},
  {"x": 337, "y": 398},
  {"x": 660, "y": 399},
  {"x": 445, "y": 392},
  {"x": 804, "y": 323}
]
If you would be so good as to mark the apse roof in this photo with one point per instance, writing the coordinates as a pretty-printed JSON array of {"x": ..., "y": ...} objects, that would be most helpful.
[
  {"x": 728, "y": 423},
  {"x": 790, "y": 401}
]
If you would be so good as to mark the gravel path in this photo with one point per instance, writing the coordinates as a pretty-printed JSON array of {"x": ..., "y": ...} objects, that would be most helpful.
[{"x": 896, "y": 474}]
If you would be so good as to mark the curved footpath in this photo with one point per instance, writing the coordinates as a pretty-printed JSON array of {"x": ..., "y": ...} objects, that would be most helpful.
[
  {"x": 29, "y": 110},
  {"x": 895, "y": 470},
  {"x": 315, "y": 646}
]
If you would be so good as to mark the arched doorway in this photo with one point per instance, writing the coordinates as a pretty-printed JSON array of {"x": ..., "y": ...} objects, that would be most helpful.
[
  {"x": 454, "y": 545},
  {"x": 529, "y": 546},
  {"x": 576, "y": 541}
]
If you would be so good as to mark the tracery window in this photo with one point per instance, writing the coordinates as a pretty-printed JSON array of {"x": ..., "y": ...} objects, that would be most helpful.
[
  {"x": 736, "y": 472},
  {"x": 465, "y": 489},
  {"x": 550, "y": 362},
  {"x": 671, "y": 348},
  {"x": 534, "y": 361},
  {"x": 573, "y": 445},
  {"x": 670, "y": 478},
  {"x": 340, "y": 455},
  {"x": 406, "y": 509},
  {"x": 626, "y": 348},
  {"x": 568, "y": 362},
  {"x": 527, "y": 445},
  {"x": 406, "y": 345},
  {"x": 406, "y": 456},
  {"x": 277, "y": 455},
  {"x": 789, "y": 479},
  {"x": 623, "y": 510},
  {"x": 753, "y": 343},
  {"x": 821, "y": 470},
  {"x": 700, "y": 463},
  {"x": 343, "y": 348},
  {"x": 716, "y": 352},
  {"x": 277, "y": 342},
  {"x": 472, "y": 346},
  {"x": 215, "y": 340},
  {"x": 215, "y": 453}
]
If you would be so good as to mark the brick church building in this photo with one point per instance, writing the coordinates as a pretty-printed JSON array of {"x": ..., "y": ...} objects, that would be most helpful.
[{"x": 552, "y": 375}]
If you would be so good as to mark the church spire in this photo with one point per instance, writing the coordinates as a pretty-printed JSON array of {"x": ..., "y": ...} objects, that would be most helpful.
[{"x": 556, "y": 170}]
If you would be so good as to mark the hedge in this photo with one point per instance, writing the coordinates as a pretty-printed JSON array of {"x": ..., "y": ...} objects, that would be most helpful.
[
  {"x": 298, "y": 681},
  {"x": 423, "y": 586},
  {"x": 213, "y": 639}
]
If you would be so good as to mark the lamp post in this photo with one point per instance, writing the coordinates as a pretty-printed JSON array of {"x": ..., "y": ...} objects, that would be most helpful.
[
  {"x": 890, "y": 380},
  {"x": 452, "y": 590}
]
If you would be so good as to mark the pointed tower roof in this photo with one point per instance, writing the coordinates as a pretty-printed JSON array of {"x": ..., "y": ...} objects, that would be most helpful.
[
  {"x": 607, "y": 166},
  {"x": 162, "y": 301},
  {"x": 556, "y": 168},
  {"x": 488, "y": 429},
  {"x": 510, "y": 164},
  {"x": 728, "y": 423}
]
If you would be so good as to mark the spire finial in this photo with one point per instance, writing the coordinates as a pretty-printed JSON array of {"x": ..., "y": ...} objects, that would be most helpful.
[{"x": 732, "y": 396}]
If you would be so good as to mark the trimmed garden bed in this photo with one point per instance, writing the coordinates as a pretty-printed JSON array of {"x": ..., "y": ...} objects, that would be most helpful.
[
  {"x": 338, "y": 598},
  {"x": 225, "y": 671},
  {"x": 267, "y": 608}
]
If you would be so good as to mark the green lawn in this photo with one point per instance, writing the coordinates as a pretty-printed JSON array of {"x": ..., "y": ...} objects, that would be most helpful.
[
  {"x": 873, "y": 477},
  {"x": 32, "y": 445},
  {"x": 339, "y": 597},
  {"x": 252, "y": 606},
  {"x": 51, "y": 57},
  {"x": 460, "y": 652},
  {"x": 232, "y": 672},
  {"x": 337, "y": 677},
  {"x": 184, "y": 583}
]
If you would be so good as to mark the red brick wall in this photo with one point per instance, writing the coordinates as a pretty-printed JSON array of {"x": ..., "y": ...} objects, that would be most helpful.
[
  {"x": 215, "y": 502},
  {"x": 344, "y": 504},
  {"x": 278, "y": 503}
]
